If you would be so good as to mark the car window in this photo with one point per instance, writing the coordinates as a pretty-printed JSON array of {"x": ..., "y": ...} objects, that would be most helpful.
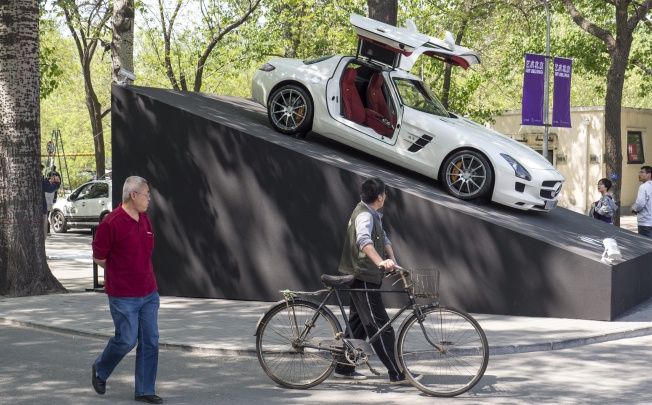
[
  {"x": 417, "y": 95},
  {"x": 101, "y": 190},
  {"x": 83, "y": 193}
]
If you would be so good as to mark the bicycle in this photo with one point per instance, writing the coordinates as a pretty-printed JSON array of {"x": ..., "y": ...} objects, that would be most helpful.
[{"x": 441, "y": 350}]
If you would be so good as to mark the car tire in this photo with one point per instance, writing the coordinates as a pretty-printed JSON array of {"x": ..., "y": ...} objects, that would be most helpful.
[
  {"x": 290, "y": 110},
  {"x": 467, "y": 175},
  {"x": 58, "y": 222}
]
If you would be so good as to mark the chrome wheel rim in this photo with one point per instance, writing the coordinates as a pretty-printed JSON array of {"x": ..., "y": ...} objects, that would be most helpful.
[
  {"x": 466, "y": 175},
  {"x": 58, "y": 221},
  {"x": 288, "y": 109}
]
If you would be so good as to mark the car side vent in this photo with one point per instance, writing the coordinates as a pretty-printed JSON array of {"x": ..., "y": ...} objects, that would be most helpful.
[{"x": 420, "y": 143}]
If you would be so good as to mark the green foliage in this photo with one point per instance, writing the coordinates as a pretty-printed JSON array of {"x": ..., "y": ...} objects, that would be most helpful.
[
  {"x": 49, "y": 67},
  {"x": 306, "y": 29}
]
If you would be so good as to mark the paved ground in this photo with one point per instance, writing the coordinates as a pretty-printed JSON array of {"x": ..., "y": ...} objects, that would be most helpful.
[{"x": 210, "y": 349}]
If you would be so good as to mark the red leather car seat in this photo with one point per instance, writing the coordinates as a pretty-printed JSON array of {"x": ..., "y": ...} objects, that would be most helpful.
[
  {"x": 353, "y": 108},
  {"x": 355, "y": 111},
  {"x": 376, "y": 99}
]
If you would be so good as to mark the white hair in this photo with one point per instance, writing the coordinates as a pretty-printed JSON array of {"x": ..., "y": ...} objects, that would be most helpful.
[{"x": 132, "y": 184}]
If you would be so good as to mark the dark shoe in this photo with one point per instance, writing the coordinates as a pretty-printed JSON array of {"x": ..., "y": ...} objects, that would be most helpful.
[
  {"x": 98, "y": 384},
  {"x": 150, "y": 399},
  {"x": 401, "y": 380},
  {"x": 352, "y": 375}
]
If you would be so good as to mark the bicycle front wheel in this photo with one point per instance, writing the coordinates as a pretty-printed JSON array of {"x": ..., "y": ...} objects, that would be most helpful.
[
  {"x": 446, "y": 348},
  {"x": 281, "y": 343}
]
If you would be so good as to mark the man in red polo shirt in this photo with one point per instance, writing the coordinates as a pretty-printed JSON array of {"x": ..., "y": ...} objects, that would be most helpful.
[{"x": 123, "y": 247}]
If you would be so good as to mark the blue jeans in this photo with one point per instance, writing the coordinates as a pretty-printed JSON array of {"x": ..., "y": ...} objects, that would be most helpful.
[
  {"x": 645, "y": 231},
  {"x": 135, "y": 320}
]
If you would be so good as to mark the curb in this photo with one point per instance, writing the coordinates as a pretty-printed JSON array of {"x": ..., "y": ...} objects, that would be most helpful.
[
  {"x": 104, "y": 336},
  {"x": 571, "y": 343},
  {"x": 242, "y": 352}
]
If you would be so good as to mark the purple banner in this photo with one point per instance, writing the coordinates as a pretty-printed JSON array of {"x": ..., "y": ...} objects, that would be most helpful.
[
  {"x": 561, "y": 98},
  {"x": 533, "y": 80}
]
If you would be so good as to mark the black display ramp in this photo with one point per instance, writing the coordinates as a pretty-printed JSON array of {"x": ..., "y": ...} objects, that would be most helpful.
[{"x": 241, "y": 212}]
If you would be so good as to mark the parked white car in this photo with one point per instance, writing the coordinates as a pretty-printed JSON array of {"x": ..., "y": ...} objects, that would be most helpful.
[
  {"x": 371, "y": 102},
  {"x": 83, "y": 208}
]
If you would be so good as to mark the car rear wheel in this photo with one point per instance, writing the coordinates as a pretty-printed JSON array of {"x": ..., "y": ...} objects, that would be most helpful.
[
  {"x": 290, "y": 110},
  {"x": 467, "y": 175},
  {"x": 58, "y": 222}
]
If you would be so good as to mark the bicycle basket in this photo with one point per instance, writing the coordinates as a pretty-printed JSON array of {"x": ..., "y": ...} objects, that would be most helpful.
[{"x": 426, "y": 283}]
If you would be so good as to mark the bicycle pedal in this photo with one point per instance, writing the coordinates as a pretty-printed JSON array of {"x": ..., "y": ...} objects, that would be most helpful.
[{"x": 373, "y": 370}]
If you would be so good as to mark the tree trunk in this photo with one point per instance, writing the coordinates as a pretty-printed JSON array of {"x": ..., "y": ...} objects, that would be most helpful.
[
  {"x": 95, "y": 113},
  {"x": 86, "y": 32},
  {"x": 383, "y": 10},
  {"x": 122, "y": 41},
  {"x": 23, "y": 268},
  {"x": 448, "y": 69},
  {"x": 612, "y": 116}
]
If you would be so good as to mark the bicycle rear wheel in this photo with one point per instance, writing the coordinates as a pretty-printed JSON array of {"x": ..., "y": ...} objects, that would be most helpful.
[
  {"x": 448, "y": 349},
  {"x": 280, "y": 344}
]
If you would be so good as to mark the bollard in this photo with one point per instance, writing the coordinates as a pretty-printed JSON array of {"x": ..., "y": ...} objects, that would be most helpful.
[{"x": 96, "y": 283}]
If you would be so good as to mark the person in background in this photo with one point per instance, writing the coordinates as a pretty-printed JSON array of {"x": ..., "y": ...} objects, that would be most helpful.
[
  {"x": 605, "y": 208},
  {"x": 123, "y": 246},
  {"x": 49, "y": 199},
  {"x": 48, "y": 185},
  {"x": 53, "y": 172},
  {"x": 642, "y": 207}
]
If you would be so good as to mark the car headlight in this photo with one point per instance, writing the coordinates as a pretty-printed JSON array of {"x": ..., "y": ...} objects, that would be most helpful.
[
  {"x": 267, "y": 67},
  {"x": 519, "y": 171}
]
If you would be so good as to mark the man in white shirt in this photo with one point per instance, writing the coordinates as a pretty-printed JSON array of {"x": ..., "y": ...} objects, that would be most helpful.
[{"x": 643, "y": 205}]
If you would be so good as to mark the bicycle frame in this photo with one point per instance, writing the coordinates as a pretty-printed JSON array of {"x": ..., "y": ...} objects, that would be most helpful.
[{"x": 411, "y": 303}]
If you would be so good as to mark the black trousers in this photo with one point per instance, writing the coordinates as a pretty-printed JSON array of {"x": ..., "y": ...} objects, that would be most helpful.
[{"x": 367, "y": 314}]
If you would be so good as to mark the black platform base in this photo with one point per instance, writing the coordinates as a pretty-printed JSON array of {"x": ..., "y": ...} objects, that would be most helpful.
[{"x": 241, "y": 212}]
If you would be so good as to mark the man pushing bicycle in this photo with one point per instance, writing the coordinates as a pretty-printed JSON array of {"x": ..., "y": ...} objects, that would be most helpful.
[{"x": 365, "y": 246}]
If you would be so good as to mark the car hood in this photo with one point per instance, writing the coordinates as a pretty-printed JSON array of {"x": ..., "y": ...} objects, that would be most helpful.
[{"x": 474, "y": 134}]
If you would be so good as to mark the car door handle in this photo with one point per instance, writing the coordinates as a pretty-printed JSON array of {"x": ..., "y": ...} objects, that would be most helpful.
[{"x": 102, "y": 203}]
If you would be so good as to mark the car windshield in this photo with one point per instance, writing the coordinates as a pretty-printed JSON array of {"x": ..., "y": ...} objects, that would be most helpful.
[{"x": 417, "y": 95}]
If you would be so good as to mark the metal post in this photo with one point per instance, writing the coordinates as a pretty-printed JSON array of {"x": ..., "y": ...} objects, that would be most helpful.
[
  {"x": 96, "y": 283},
  {"x": 546, "y": 86}
]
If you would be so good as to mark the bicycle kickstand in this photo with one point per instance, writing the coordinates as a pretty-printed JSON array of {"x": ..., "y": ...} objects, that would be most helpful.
[{"x": 373, "y": 370}]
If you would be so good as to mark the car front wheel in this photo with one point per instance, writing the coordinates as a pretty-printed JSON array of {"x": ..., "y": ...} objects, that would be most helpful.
[
  {"x": 58, "y": 222},
  {"x": 467, "y": 175},
  {"x": 290, "y": 110}
]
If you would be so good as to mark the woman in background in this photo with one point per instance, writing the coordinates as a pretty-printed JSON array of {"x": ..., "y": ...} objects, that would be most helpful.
[{"x": 605, "y": 208}]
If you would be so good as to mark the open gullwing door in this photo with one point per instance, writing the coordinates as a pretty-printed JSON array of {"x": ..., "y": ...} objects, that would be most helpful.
[{"x": 401, "y": 47}]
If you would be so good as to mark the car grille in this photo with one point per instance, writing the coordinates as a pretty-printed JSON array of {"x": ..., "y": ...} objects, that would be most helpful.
[{"x": 550, "y": 189}]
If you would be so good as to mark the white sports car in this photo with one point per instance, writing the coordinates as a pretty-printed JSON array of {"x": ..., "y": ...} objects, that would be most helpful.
[{"x": 370, "y": 102}]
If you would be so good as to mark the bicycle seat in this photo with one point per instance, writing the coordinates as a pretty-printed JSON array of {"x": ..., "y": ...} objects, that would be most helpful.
[{"x": 337, "y": 281}]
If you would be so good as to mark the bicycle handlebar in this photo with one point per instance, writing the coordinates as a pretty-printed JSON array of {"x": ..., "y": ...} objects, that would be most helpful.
[{"x": 397, "y": 270}]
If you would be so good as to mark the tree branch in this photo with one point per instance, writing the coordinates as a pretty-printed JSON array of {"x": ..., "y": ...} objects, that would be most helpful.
[
  {"x": 643, "y": 67},
  {"x": 640, "y": 13},
  {"x": 588, "y": 26},
  {"x": 209, "y": 48}
]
